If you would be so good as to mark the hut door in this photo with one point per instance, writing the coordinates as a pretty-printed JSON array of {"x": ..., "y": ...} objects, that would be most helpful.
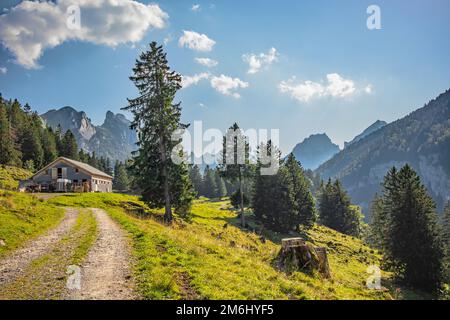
[{"x": 64, "y": 173}]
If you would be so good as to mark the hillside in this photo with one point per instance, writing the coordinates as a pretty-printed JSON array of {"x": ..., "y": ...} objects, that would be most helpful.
[
  {"x": 113, "y": 139},
  {"x": 370, "y": 129},
  {"x": 421, "y": 139},
  {"x": 315, "y": 150},
  {"x": 23, "y": 217},
  {"x": 10, "y": 176},
  {"x": 204, "y": 260}
]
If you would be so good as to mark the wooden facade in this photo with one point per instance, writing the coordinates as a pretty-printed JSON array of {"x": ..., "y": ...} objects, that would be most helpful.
[{"x": 67, "y": 175}]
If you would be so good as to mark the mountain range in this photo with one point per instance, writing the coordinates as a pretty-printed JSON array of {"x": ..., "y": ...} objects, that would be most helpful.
[
  {"x": 113, "y": 139},
  {"x": 421, "y": 139},
  {"x": 372, "y": 128},
  {"x": 315, "y": 150}
]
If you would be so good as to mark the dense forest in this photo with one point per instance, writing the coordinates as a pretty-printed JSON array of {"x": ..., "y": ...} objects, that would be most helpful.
[{"x": 27, "y": 143}]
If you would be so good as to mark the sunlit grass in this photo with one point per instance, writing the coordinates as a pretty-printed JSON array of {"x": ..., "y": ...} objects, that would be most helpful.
[
  {"x": 210, "y": 257},
  {"x": 23, "y": 217}
]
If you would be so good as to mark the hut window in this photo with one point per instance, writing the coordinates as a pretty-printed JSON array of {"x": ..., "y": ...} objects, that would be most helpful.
[{"x": 76, "y": 170}]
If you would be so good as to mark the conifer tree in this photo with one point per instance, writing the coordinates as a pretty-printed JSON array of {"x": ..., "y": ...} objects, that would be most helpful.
[
  {"x": 304, "y": 205},
  {"x": 30, "y": 141},
  {"x": 446, "y": 226},
  {"x": 120, "y": 181},
  {"x": 49, "y": 145},
  {"x": 69, "y": 146},
  {"x": 209, "y": 183},
  {"x": 336, "y": 211},
  {"x": 378, "y": 223},
  {"x": 221, "y": 189},
  {"x": 235, "y": 164},
  {"x": 446, "y": 238},
  {"x": 196, "y": 179},
  {"x": 7, "y": 152},
  {"x": 270, "y": 195},
  {"x": 58, "y": 140},
  {"x": 157, "y": 118},
  {"x": 413, "y": 247},
  {"x": 93, "y": 161},
  {"x": 182, "y": 191}
]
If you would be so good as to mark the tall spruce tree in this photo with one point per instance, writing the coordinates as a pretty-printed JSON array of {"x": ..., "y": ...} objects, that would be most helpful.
[
  {"x": 209, "y": 183},
  {"x": 157, "y": 118},
  {"x": 270, "y": 195},
  {"x": 413, "y": 247},
  {"x": 304, "y": 205},
  {"x": 282, "y": 200},
  {"x": 7, "y": 152},
  {"x": 49, "y": 145},
  {"x": 31, "y": 145},
  {"x": 221, "y": 189},
  {"x": 235, "y": 164},
  {"x": 69, "y": 146},
  {"x": 446, "y": 238},
  {"x": 120, "y": 181},
  {"x": 336, "y": 211},
  {"x": 196, "y": 179},
  {"x": 378, "y": 223}
]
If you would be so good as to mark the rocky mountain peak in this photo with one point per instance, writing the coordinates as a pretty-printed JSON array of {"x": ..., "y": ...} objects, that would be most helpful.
[
  {"x": 113, "y": 139},
  {"x": 315, "y": 150}
]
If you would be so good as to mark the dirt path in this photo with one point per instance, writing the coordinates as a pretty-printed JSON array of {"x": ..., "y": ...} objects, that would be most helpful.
[
  {"x": 13, "y": 265},
  {"x": 106, "y": 272}
]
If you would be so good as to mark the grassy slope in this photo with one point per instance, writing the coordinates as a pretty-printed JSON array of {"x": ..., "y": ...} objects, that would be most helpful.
[
  {"x": 46, "y": 277},
  {"x": 204, "y": 260},
  {"x": 23, "y": 217},
  {"x": 10, "y": 176}
]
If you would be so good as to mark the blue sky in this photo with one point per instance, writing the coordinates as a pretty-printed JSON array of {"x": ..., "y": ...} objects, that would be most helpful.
[{"x": 372, "y": 74}]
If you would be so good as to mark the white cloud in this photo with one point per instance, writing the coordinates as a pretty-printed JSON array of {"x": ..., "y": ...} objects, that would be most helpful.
[
  {"x": 227, "y": 85},
  {"x": 262, "y": 60},
  {"x": 336, "y": 86},
  {"x": 302, "y": 92},
  {"x": 195, "y": 7},
  {"x": 167, "y": 39},
  {"x": 207, "y": 62},
  {"x": 187, "y": 81},
  {"x": 368, "y": 89},
  {"x": 31, "y": 27},
  {"x": 3, "y": 70},
  {"x": 196, "y": 41}
]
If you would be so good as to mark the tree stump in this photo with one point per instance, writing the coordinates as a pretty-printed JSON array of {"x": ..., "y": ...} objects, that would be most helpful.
[{"x": 297, "y": 255}]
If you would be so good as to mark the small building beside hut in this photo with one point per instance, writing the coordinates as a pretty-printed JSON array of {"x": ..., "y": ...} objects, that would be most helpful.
[{"x": 67, "y": 175}]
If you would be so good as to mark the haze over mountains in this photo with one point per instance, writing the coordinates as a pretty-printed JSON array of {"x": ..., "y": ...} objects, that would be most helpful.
[
  {"x": 315, "y": 150},
  {"x": 113, "y": 139},
  {"x": 372, "y": 128},
  {"x": 421, "y": 139}
]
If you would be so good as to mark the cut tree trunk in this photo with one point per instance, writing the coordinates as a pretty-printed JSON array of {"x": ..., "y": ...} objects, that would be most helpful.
[{"x": 297, "y": 255}]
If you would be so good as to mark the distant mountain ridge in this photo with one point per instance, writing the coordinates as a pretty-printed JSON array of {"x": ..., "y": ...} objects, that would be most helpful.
[
  {"x": 421, "y": 139},
  {"x": 372, "y": 128},
  {"x": 113, "y": 139},
  {"x": 315, "y": 150}
]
